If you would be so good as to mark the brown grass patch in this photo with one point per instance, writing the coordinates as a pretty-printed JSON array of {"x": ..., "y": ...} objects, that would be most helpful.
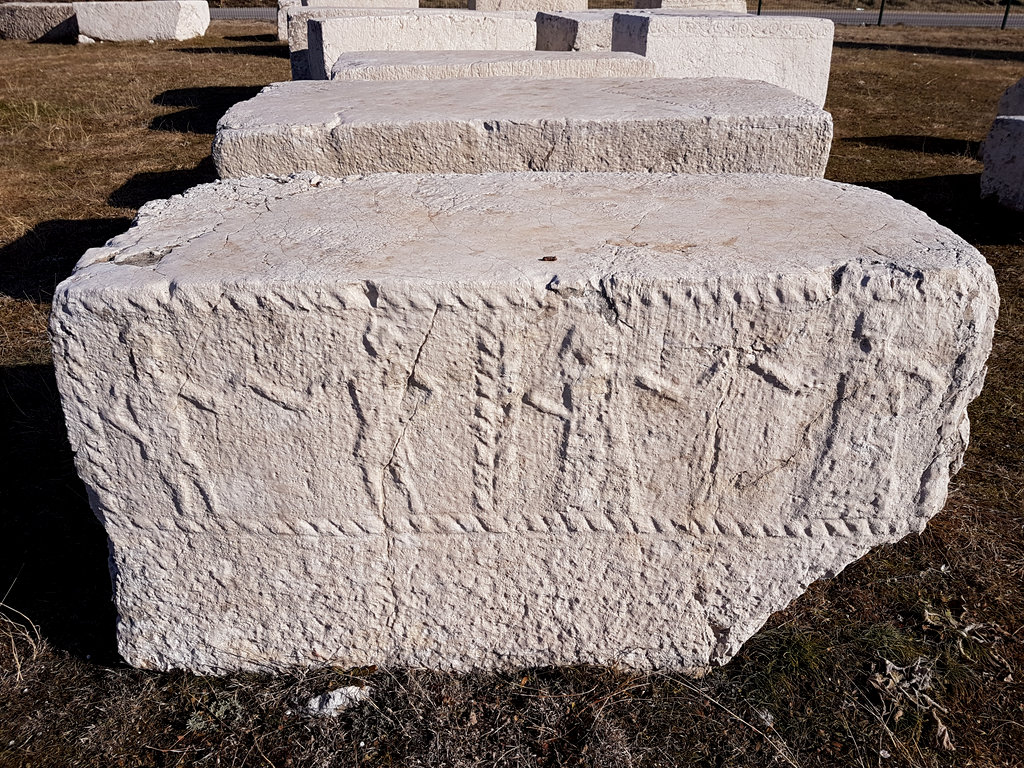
[{"x": 912, "y": 650}]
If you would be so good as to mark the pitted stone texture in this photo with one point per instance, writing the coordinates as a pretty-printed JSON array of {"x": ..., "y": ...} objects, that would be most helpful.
[
  {"x": 527, "y": 5},
  {"x": 1003, "y": 151},
  {"x": 516, "y": 124},
  {"x": 454, "y": 30},
  {"x": 666, "y": 405},
  {"x": 284, "y": 6},
  {"x": 732, "y": 6},
  {"x": 39, "y": 22},
  {"x": 126, "y": 20},
  {"x": 445, "y": 65},
  {"x": 791, "y": 52}
]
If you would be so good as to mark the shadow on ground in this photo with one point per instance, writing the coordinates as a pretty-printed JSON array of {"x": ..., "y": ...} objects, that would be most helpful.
[
  {"x": 932, "y": 145},
  {"x": 954, "y": 201},
  {"x": 33, "y": 265},
  {"x": 143, "y": 187},
  {"x": 204, "y": 107},
  {"x": 53, "y": 551},
  {"x": 965, "y": 53}
]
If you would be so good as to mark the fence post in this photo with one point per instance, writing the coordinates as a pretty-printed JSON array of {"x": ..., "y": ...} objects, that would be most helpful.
[
  {"x": 759, "y": 9},
  {"x": 1006, "y": 14},
  {"x": 881, "y": 10}
]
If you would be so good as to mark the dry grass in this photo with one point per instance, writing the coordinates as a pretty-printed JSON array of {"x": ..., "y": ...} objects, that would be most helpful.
[{"x": 913, "y": 650}]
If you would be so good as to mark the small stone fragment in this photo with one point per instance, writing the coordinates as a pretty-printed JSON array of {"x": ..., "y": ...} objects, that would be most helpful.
[{"x": 337, "y": 701}]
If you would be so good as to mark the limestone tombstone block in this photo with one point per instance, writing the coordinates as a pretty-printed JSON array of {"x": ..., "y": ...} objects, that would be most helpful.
[
  {"x": 38, "y": 22},
  {"x": 453, "y": 30},
  {"x": 284, "y": 6},
  {"x": 592, "y": 30},
  {"x": 444, "y": 65},
  {"x": 527, "y": 5},
  {"x": 516, "y": 124},
  {"x": 127, "y": 20},
  {"x": 665, "y": 404},
  {"x": 791, "y": 52},
  {"x": 1002, "y": 152},
  {"x": 732, "y": 6}
]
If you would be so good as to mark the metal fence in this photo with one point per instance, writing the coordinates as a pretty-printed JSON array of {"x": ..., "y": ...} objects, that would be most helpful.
[{"x": 916, "y": 13}]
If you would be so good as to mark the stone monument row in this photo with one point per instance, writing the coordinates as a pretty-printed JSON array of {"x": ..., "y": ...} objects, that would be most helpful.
[{"x": 516, "y": 335}]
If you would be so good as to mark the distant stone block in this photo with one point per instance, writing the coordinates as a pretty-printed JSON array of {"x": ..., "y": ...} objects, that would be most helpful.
[
  {"x": 299, "y": 16},
  {"x": 127, "y": 20},
  {"x": 38, "y": 22},
  {"x": 454, "y": 30},
  {"x": 1003, "y": 151},
  {"x": 527, "y": 5},
  {"x": 499, "y": 420},
  {"x": 788, "y": 51},
  {"x": 516, "y": 124},
  {"x": 283, "y": 6},
  {"x": 732, "y": 6},
  {"x": 444, "y": 65}
]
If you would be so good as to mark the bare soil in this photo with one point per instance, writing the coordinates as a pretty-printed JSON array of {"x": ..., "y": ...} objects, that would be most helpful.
[{"x": 911, "y": 657}]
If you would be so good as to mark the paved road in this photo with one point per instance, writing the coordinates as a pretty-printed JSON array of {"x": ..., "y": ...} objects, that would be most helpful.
[{"x": 910, "y": 18}]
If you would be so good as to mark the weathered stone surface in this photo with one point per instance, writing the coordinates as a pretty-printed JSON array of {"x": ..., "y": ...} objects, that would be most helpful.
[
  {"x": 503, "y": 420},
  {"x": 732, "y": 6},
  {"x": 39, "y": 22},
  {"x": 592, "y": 30},
  {"x": 527, "y": 5},
  {"x": 792, "y": 52},
  {"x": 125, "y": 20},
  {"x": 515, "y": 124},
  {"x": 1003, "y": 151},
  {"x": 284, "y": 6},
  {"x": 454, "y": 30},
  {"x": 444, "y": 65}
]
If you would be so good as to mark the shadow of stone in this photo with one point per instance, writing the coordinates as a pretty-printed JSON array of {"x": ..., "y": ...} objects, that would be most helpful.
[
  {"x": 143, "y": 187},
  {"x": 33, "y": 265},
  {"x": 53, "y": 551},
  {"x": 205, "y": 106},
  {"x": 955, "y": 202},
  {"x": 929, "y": 144},
  {"x": 965, "y": 53},
  {"x": 268, "y": 38}
]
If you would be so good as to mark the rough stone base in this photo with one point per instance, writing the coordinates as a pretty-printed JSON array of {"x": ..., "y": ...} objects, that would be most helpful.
[
  {"x": 1003, "y": 155},
  {"x": 446, "y": 65},
  {"x": 515, "y": 124},
  {"x": 455, "y": 30},
  {"x": 127, "y": 20},
  {"x": 788, "y": 51},
  {"x": 484, "y": 421},
  {"x": 38, "y": 22}
]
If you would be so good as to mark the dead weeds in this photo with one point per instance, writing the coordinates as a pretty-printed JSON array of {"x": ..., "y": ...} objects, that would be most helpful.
[{"x": 910, "y": 657}]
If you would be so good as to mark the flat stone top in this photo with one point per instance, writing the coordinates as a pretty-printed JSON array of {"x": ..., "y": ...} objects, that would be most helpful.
[
  {"x": 752, "y": 24},
  {"x": 510, "y": 98},
  {"x": 454, "y": 58},
  {"x": 512, "y": 235}
]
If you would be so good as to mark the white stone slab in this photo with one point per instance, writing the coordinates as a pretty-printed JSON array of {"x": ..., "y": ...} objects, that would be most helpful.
[
  {"x": 446, "y": 65},
  {"x": 527, "y": 5},
  {"x": 454, "y": 30},
  {"x": 1012, "y": 100},
  {"x": 515, "y": 124},
  {"x": 792, "y": 52},
  {"x": 732, "y": 6},
  {"x": 1002, "y": 152},
  {"x": 497, "y": 420},
  {"x": 127, "y": 20},
  {"x": 283, "y": 6},
  {"x": 38, "y": 22}
]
